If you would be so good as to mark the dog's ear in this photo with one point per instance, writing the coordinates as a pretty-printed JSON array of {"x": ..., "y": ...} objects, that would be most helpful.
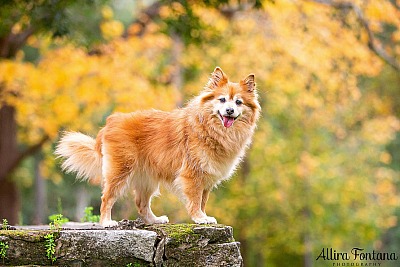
[
  {"x": 248, "y": 83},
  {"x": 218, "y": 78}
]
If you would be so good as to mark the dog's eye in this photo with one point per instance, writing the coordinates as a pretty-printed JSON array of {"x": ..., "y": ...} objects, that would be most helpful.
[
  {"x": 239, "y": 102},
  {"x": 223, "y": 100}
]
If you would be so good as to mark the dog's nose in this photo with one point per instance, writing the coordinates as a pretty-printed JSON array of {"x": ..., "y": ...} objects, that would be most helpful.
[{"x": 230, "y": 111}]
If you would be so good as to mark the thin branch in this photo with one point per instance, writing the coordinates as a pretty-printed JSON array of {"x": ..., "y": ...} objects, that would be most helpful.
[
  {"x": 28, "y": 152},
  {"x": 373, "y": 44},
  {"x": 12, "y": 43}
]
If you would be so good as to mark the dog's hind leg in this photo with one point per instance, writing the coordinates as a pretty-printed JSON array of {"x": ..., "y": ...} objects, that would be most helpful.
[
  {"x": 145, "y": 189},
  {"x": 111, "y": 190},
  {"x": 115, "y": 177}
]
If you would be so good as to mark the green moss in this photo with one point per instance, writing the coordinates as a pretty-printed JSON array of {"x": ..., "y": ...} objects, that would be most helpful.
[
  {"x": 177, "y": 233},
  {"x": 30, "y": 235},
  {"x": 175, "y": 230}
]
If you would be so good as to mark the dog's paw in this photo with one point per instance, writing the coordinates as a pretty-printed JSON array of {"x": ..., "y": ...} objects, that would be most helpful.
[
  {"x": 109, "y": 223},
  {"x": 161, "y": 219},
  {"x": 156, "y": 220},
  {"x": 205, "y": 220}
]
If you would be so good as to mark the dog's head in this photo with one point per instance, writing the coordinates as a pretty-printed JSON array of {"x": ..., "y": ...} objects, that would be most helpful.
[{"x": 231, "y": 102}]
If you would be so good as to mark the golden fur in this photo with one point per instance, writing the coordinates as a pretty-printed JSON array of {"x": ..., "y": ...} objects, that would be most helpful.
[{"x": 190, "y": 150}]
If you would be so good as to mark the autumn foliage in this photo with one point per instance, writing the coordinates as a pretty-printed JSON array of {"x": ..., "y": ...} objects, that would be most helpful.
[{"x": 319, "y": 173}]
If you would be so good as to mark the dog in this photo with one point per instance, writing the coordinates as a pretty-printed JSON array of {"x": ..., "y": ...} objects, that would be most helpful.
[{"x": 189, "y": 150}]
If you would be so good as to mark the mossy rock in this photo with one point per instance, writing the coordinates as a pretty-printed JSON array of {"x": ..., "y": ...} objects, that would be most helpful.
[
  {"x": 198, "y": 245},
  {"x": 29, "y": 236},
  {"x": 178, "y": 234},
  {"x": 152, "y": 245}
]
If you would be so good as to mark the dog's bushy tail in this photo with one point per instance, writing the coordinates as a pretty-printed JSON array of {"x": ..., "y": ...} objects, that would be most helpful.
[{"x": 80, "y": 155}]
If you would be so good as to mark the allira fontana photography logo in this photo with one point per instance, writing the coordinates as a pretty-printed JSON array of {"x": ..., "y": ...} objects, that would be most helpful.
[{"x": 356, "y": 257}]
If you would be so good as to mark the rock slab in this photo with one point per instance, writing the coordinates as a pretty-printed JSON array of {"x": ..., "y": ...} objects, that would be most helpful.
[{"x": 155, "y": 245}]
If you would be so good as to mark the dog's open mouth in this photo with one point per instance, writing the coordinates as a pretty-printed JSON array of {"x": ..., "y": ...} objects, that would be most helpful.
[{"x": 227, "y": 121}]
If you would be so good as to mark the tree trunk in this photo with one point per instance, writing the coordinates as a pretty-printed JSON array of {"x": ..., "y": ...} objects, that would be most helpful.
[
  {"x": 9, "y": 201},
  {"x": 177, "y": 75},
  {"x": 40, "y": 193},
  {"x": 8, "y": 139},
  {"x": 243, "y": 176},
  {"x": 9, "y": 197},
  {"x": 82, "y": 201}
]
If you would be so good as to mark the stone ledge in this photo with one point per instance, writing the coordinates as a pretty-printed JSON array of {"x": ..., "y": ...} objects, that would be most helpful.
[{"x": 125, "y": 245}]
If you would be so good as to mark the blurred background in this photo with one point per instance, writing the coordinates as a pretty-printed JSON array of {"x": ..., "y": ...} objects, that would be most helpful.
[{"x": 323, "y": 169}]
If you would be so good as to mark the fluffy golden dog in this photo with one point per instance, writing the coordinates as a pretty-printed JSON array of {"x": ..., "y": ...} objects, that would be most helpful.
[{"x": 190, "y": 150}]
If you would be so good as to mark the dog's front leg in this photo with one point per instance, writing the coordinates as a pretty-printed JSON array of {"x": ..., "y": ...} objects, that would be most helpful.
[
  {"x": 204, "y": 199},
  {"x": 196, "y": 198}
]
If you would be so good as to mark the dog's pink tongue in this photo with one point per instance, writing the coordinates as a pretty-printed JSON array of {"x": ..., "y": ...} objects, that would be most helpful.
[{"x": 228, "y": 121}]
